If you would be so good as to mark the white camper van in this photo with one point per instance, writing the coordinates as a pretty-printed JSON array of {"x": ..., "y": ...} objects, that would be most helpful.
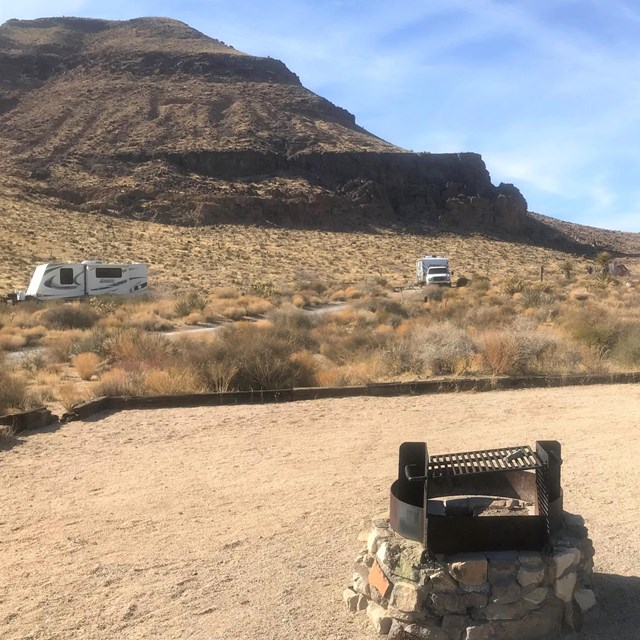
[
  {"x": 433, "y": 270},
  {"x": 60, "y": 281}
]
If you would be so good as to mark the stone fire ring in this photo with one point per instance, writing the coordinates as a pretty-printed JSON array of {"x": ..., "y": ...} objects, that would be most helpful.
[{"x": 506, "y": 595}]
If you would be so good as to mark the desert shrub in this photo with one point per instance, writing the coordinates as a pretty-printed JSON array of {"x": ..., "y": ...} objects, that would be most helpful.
[
  {"x": 499, "y": 351},
  {"x": 69, "y": 395},
  {"x": 496, "y": 315},
  {"x": 514, "y": 284},
  {"x": 353, "y": 293},
  {"x": 387, "y": 311},
  {"x": 479, "y": 284},
  {"x": 403, "y": 357},
  {"x": 228, "y": 293},
  {"x": 434, "y": 293},
  {"x": 35, "y": 361},
  {"x": 69, "y": 315},
  {"x": 305, "y": 280},
  {"x": 15, "y": 394},
  {"x": 443, "y": 348},
  {"x": 133, "y": 349},
  {"x": 373, "y": 368},
  {"x": 535, "y": 297},
  {"x": 258, "y": 307},
  {"x": 218, "y": 375},
  {"x": 149, "y": 321},
  {"x": 594, "y": 328},
  {"x": 86, "y": 364},
  {"x": 118, "y": 382},
  {"x": 96, "y": 341},
  {"x": 192, "y": 301},
  {"x": 7, "y": 434},
  {"x": 294, "y": 326},
  {"x": 627, "y": 348},
  {"x": 12, "y": 339},
  {"x": 518, "y": 349},
  {"x": 171, "y": 381},
  {"x": 264, "y": 289},
  {"x": 232, "y": 312},
  {"x": 247, "y": 356}
]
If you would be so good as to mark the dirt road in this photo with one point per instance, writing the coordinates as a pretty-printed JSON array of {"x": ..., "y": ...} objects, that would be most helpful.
[{"x": 242, "y": 522}]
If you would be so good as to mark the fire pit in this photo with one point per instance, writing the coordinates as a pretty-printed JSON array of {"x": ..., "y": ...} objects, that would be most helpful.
[
  {"x": 419, "y": 512},
  {"x": 476, "y": 547}
]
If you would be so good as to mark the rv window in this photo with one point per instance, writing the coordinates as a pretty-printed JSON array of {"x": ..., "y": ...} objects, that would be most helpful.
[
  {"x": 108, "y": 272},
  {"x": 66, "y": 275}
]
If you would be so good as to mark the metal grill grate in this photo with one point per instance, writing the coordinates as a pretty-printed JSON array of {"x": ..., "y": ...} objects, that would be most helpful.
[{"x": 489, "y": 460}]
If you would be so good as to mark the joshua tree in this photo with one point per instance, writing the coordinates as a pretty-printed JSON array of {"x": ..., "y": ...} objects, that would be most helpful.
[
  {"x": 602, "y": 260},
  {"x": 567, "y": 268}
]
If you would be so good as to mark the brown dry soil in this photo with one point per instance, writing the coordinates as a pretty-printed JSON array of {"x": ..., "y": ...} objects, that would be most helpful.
[{"x": 243, "y": 522}]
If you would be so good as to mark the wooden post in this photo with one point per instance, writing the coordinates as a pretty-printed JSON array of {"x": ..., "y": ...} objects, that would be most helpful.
[{"x": 542, "y": 274}]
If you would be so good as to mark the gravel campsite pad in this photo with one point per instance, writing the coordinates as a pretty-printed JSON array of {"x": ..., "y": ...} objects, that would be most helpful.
[{"x": 242, "y": 522}]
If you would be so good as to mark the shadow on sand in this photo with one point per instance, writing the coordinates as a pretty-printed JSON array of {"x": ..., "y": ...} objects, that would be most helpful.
[{"x": 617, "y": 615}]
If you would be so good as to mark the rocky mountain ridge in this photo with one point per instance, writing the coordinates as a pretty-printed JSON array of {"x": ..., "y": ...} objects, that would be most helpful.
[{"x": 150, "y": 119}]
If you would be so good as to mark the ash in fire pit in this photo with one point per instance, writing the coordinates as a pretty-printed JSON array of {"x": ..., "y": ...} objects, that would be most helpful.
[{"x": 476, "y": 547}]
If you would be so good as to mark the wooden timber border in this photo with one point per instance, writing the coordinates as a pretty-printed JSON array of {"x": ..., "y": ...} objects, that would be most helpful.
[{"x": 42, "y": 417}]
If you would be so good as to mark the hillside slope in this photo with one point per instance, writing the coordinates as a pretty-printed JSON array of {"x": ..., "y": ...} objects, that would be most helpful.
[{"x": 151, "y": 119}]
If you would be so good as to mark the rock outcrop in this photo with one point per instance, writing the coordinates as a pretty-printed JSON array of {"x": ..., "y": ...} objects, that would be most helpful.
[{"x": 151, "y": 119}]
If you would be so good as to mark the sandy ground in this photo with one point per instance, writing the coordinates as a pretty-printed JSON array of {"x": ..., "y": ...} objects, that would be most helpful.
[{"x": 242, "y": 522}]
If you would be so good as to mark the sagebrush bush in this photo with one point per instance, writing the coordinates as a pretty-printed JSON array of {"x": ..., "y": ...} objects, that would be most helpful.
[
  {"x": 69, "y": 315},
  {"x": 247, "y": 356},
  {"x": 444, "y": 348},
  {"x": 594, "y": 328}
]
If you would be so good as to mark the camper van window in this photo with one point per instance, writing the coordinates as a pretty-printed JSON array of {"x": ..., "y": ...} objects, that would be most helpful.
[
  {"x": 108, "y": 272},
  {"x": 66, "y": 275}
]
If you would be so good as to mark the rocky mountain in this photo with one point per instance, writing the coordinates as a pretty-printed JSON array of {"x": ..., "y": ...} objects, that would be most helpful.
[{"x": 150, "y": 119}]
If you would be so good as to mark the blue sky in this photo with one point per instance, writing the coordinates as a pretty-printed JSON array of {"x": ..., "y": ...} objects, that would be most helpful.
[{"x": 548, "y": 91}]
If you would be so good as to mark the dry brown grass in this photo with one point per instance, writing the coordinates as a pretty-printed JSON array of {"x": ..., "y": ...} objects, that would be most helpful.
[{"x": 86, "y": 364}]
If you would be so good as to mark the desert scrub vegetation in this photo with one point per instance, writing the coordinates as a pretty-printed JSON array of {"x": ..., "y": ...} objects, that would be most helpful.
[
  {"x": 509, "y": 325},
  {"x": 15, "y": 392}
]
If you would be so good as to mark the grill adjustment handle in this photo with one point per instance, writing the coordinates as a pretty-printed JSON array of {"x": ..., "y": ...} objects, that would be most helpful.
[{"x": 409, "y": 477}]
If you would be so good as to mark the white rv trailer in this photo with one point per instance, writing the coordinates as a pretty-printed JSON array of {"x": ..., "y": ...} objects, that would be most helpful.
[
  {"x": 433, "y": 270},
  {"x": 59, "y": 281}
]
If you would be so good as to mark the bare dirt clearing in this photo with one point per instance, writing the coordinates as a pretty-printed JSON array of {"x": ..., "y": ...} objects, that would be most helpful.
[{"x": 242, "y": 522}]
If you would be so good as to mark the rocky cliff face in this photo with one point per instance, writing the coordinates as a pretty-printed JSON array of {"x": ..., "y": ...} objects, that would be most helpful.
[{"x": 151, "y": 119}]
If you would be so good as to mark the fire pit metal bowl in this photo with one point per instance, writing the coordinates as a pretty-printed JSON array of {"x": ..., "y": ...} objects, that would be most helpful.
[{"x": 429, "y": 497}]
